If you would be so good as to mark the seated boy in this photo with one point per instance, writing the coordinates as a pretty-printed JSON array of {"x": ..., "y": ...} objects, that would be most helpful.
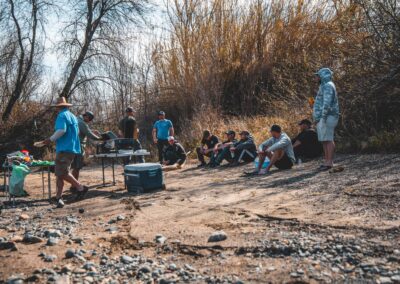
[
  {"x": 174, "y": 153},
  {"x": 306, "y": 144},
  {"x": 244, "y": 149},
  {"x": 278, "y": 149},
  {"x": 207, "y": 147},
  {"x": 221, "y": 150}
]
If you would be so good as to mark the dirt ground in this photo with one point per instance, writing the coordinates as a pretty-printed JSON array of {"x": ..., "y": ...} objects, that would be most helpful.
[{"x": 298, "y": 226}]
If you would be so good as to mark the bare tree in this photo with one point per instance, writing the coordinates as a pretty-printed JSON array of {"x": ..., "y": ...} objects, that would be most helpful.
[
  {"x": 95, "y": 30},
  {"x": 19, "y": 49}
]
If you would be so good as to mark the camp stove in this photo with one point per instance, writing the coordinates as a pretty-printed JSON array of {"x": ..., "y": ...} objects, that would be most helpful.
[{"x": 112, "y": 144}]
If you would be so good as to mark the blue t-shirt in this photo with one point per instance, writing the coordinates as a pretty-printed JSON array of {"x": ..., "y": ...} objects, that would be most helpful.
[
  {"x": 69, "y": 142},
  {"x": 163, "y": 127}
]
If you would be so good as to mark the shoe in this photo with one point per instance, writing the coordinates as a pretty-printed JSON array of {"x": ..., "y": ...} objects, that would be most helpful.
[
  {"x": 202, "y": 165},
  {"x": 234, "y": 164},
  {"x": 263, "y": 172},
  {"x": 60, "y": 203},
  {"x": 81, "y": 194},
  {"x": 324, "y": 168}
]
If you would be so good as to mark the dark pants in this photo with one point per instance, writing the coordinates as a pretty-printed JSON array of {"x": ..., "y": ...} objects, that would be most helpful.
[
  {"x": 161, "y": 144},
  {"x": 200, "y": 155},
  {"x": 246, "y": 157},
  {"x": 224, "y": 154},
  {"x": 135, "y": 144},
  {"x": 301, "y": 152},
  {"x": 173, "y": 158}
]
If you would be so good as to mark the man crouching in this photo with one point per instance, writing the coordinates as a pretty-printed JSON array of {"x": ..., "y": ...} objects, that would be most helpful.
[
  {"x": 174, "y": 153},
  {"x": 278, "y": 149}
]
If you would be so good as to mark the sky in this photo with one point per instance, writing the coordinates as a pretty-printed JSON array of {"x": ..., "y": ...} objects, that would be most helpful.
[{"x": 55, "y": 63}]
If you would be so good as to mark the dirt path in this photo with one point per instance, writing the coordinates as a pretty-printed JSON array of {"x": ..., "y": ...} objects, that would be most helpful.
[{"x": 296, "y": 225}]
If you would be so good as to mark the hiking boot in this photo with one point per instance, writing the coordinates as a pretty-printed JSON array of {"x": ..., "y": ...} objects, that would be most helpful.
[
  {"x": 60, "y": 203},
  {"x": 202, "y": 165},
  {"x": 81, "y": 194}
]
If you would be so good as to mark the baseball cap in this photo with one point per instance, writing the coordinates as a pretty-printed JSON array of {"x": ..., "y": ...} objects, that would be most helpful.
[
  {"x": 305, "y": 121},
  {"x": 244, "y": 132},
  {"x": 161, "y": 112},
  {"x": 129, "y": 109},
  {"x": 171, "y": 138},
  {"x": 230, "y": 132},
  {"x": 276, "y": 128},
  {"x": 206, "y": 133},
  {"x": 89, "y": 114}
]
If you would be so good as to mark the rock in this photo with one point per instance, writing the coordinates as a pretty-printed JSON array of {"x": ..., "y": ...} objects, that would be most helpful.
[
  {"x": 49, "y": 258},
  {"x": 88, "y": 265},
  {"x": 217, "y": 236},
  {"x": 70, "y": 253},
  {"x": 385, "y": 280},
  {"x": 294, "y": 275},
  {"x": 52, "y": 233},
  {"x": 145, "y": 269},
  {"x": 77, "y": 240},
  {"x": 120, "y": 217},
  {"x": 189, "y": 268},
  {"x": 89, "y": 279},
  {"x": 32, "y": 278},
  {"x": 66, "y": 269},
  {"x": 79, "y": 271},
  {"x": 72, "y": 220},
  {"x": 17, "y": 239},
  {"x": 23, "y": 217},
  {"x": 81, "y": 210},
  {"x": 8, "y": 245},
  {"x": 126, "y": 259},
  {"x": 15, "y": 280},
  {"x": 31, "y": 239},
  {"x": 172, "y": 267},
  {"x": 271, "y": 268},
  {"x": 112, "y": 230},
  {"x": 395, "y": 278},
  {"x": 52, "y": 241},
  {"x": 160, "y": 239}
]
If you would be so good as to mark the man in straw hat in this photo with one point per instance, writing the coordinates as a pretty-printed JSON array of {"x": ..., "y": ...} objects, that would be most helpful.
[{"x": 66, "y": 137}]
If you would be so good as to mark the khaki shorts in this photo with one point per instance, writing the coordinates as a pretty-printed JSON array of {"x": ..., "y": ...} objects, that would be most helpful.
[
  {"x": 326, "y": 129},
  {"x": 63, "y": 163}
]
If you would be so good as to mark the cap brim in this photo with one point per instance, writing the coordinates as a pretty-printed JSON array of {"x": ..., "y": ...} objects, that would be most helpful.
[{"x": 60, "y": 105}]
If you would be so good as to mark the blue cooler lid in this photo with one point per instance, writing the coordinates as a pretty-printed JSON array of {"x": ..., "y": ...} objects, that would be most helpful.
[{"x": 143, "y": 167}]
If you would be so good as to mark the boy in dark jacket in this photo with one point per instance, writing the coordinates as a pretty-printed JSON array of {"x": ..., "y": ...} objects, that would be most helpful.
[
  {"x": 245, "y": 149},
  {"x": 174, "y": 153}
]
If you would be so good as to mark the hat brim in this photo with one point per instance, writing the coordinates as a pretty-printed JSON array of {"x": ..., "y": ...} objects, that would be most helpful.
[{"x": 62, "y": 104}]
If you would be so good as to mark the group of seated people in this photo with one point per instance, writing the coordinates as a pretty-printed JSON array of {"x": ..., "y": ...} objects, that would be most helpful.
[{"x": 281, "y": 151}]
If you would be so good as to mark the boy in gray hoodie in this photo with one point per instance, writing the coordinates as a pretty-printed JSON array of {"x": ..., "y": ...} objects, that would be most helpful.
[{"x": 278, "y": 149}]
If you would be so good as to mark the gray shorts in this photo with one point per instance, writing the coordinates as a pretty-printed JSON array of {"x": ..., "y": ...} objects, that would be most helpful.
[
  {"x": 326, "y": 129},
  {"x": 63, "y": 163},
  {"x": 78, "y": 162}
]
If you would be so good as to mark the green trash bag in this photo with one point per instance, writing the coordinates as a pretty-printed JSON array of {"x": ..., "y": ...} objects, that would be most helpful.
[{"x": 17, "y": 179}]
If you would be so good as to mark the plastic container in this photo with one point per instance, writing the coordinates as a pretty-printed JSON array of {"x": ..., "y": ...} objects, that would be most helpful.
[
  {"x": 265, "y": 164},
  {"x": 144, "y": 177}
]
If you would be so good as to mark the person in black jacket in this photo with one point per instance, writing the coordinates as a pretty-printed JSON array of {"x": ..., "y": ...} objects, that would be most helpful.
[
  {"x": 245, "y": 149},
  {"x": 306, "y": 144},
  {"x": 208, "y": 143},
  {"x": 174, "y": 153}
]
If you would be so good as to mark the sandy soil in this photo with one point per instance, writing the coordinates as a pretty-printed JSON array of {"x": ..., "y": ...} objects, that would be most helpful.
[{"x": 359, "y": 206}]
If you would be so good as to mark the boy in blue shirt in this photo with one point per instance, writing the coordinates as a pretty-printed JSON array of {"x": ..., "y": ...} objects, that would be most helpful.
[
  {"x": 66, "y": 137},
  {"x": 162, "y": 129}
]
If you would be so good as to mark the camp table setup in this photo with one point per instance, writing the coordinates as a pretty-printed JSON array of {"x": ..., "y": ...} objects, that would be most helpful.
[
  {"x": 113, "y": 157},
  {"x": 43, "y": 167}
]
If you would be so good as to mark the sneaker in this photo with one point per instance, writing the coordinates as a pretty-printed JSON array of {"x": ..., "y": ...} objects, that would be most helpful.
[
  {"x": 324, "y": 168},
  {"x": 202, "y": 165},
  {"x": 263, "y": 172},
  {"x": 60, "y": 203},
  {"x": 81, "y": 194}
]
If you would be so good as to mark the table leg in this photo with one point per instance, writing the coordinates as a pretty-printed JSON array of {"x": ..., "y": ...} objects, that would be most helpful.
[
  {"x": 42, "y": 170},
  {"x": 49, "y": 181},
  {"x": 102, "y": 167},
  {"x": 113, "y": 171}
]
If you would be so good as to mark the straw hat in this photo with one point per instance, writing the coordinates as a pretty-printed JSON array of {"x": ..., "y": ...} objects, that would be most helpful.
[{"x": 62, "y": 102}]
